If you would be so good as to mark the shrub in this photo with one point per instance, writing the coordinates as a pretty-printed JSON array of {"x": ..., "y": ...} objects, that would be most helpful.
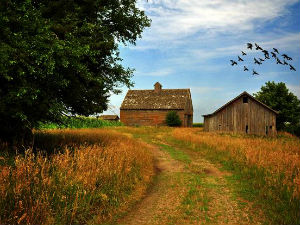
[{"x": 172, "y": 119}]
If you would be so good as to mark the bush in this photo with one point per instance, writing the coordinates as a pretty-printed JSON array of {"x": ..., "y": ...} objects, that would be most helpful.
[
  {"x": 293, "y": 129},
  {"x": 172, "y": 119}
]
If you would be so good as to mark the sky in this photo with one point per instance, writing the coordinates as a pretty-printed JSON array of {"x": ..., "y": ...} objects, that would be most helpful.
[{"x": 190, "y": 44}]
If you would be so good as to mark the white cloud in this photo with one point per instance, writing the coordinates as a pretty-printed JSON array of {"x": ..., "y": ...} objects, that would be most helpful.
[
  {"x": 157, "y": 73},
  {"x": 287, "y": 41},
  {"x": 194, "y": 33},
  {"x": 177, "y": 19}
]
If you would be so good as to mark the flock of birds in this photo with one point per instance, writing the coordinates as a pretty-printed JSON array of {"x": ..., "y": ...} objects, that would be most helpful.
[{"x": 274, "y": 54}]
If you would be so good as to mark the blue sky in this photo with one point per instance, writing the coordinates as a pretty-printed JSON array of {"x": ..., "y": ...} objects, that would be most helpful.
[{"x": 190, "y": 44}]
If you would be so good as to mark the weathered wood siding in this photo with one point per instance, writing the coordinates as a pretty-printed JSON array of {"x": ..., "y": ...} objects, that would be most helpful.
[{"x": 239, "y": 117}]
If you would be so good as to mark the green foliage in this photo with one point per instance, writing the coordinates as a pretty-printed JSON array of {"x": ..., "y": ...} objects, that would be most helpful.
[
  {"x": 278, "y": 97},
  {"x": 172, "y": 119},
  {"x": 59, "y": 57},
  {"x": 197, "y": 124},
  {"x": 79, "y": 122}
]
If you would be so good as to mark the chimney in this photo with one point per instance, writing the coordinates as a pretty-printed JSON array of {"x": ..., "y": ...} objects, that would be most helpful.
[{"x": 157, "y": 87}]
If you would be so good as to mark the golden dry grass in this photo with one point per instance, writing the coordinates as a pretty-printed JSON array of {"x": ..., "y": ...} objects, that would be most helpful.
[
  {"x": 278, "y": 156},
  {"x": 265, "y": 171},
  {"x": 98, "y": 173}
]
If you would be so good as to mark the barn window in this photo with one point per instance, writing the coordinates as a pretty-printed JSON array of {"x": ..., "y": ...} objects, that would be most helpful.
[
  {"x": 271, "y": 127},
  {"x": 246, "y": 129},
  {"x": 245, "y": 99}
]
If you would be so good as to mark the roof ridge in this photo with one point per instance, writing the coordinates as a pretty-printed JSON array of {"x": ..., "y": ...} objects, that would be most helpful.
[
  {"x": 164, "y": 89},
  {"x": 237, "y": 97}
]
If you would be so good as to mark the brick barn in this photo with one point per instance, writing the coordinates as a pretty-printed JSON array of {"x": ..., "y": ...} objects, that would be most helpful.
[
  {"x": 150, "y": 107},
  {"x": 243, "y": 114}
]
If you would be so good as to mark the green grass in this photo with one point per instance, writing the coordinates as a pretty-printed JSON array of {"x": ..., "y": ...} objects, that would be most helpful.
[
  {"x": 175, "y": 153},
  {"x": 79, "y": 122},
  {"x": 196, "y": 199}
]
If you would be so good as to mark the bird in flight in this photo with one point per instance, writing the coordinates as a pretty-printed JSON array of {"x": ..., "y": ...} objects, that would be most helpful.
[
  {"x": 276, "y": 50},
  {"x": 254, "y": 72},
  {"x": 282, "y": 59},
  {"x": 249, "y": 45},
  {"x": 266, "y": 53},
  {"x": 258, "y": 47},
  {"x": 273, "y": 55},
  {"x": 233, "y": 62},
  {"x": 278, "y": 61},
  {"x": 286, "y": 57},
  {"x": 256, "y": 61},
  {"x": 292, "y": 68}
]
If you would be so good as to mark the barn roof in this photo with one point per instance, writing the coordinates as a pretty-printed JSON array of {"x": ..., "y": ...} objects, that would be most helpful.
[
  {"x": 172, "y": 99},
  {"x": 241, "y": 95}
]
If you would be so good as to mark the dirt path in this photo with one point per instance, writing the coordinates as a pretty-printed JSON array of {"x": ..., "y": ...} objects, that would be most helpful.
[
  {"x": 189, "y": 190},
  {"x": 164, "y": 197}
]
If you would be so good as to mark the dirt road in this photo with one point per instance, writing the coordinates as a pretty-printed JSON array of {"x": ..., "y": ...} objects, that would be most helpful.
[{"x": 189, "y": 190}]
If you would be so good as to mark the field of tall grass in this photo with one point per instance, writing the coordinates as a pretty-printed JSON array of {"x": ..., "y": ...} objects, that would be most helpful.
[
  {"x": 269, "y": 166},
  {"x": 83, "y": 176}
]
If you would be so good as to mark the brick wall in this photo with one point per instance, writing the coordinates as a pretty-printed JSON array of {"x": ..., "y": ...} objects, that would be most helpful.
[{"x": 146, "y": 117}]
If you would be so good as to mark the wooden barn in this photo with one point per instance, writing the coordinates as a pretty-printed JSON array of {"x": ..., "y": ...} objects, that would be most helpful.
[
  {"x": 150, "y": 107},
  {"x": 243, "y": 114}
]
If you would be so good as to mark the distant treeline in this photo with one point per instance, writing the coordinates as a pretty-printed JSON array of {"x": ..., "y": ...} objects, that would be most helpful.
[
  {"x": 79, "y": 122},
  {"x": 197, "y": 124}
]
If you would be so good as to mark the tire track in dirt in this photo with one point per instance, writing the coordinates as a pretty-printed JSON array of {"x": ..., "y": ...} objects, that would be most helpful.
[{"x": 211, "y": 202}]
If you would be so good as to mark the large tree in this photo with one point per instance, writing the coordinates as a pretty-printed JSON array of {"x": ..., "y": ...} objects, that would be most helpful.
[
  {"x": 279, "y": 98},
  {"x": 60, "y": 57}
]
